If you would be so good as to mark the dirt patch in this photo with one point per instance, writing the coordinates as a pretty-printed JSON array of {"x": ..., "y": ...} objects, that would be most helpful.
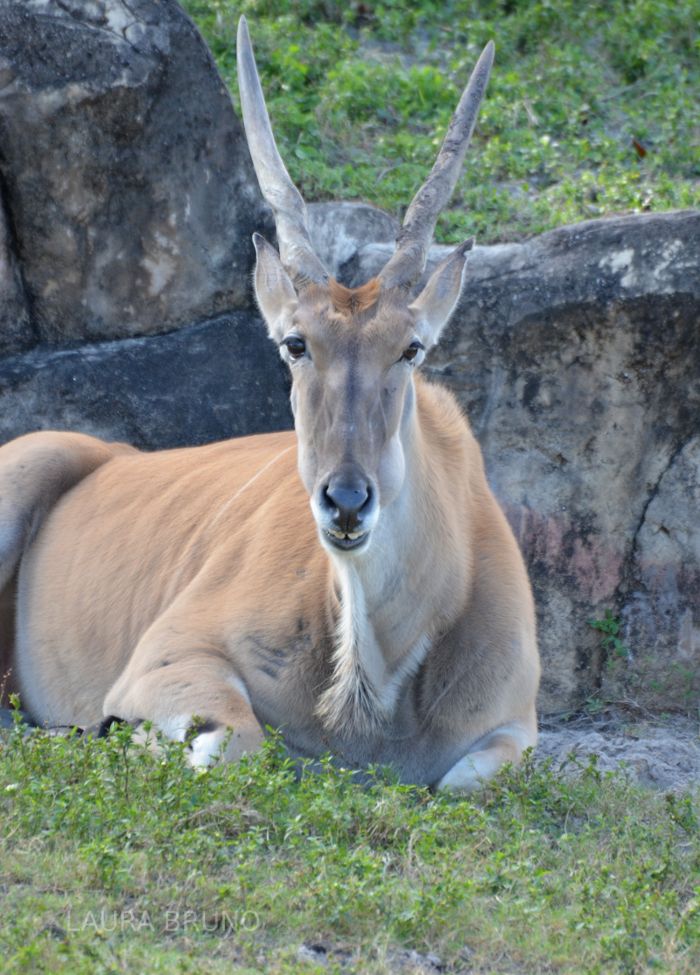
[{"x": 663, "y": 753}]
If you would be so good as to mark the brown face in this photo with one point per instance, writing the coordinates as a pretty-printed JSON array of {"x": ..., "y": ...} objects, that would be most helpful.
[
  {"x": 352, "y": 399},
  {"x": 351, "y": 352},
  {"x": 352, "y": 355}
]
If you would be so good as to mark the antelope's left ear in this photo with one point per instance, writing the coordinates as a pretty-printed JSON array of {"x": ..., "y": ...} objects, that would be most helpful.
[
  {"x": 438, "y": 299},
  {"x": 273, "y": 289}
]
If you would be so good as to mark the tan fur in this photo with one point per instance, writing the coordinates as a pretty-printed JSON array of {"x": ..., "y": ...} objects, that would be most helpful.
[
  {"x": 350, "y": 301},
  {"x": 191, "y": 582}
]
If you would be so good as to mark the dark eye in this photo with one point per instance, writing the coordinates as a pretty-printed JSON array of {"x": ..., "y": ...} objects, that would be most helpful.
[
  {"x": 296, "y": 346},
  {"x": 412, "y": 351}
]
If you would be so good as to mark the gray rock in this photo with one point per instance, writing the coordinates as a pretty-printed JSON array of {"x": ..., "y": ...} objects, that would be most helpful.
[
  {"x": 653, "y": 253},
  {"x": 127, "y": 178},
  {"x": 660, "y": 664},
  {"x": 576, "y": 357},
  {"x": 221, "y": 378},
  {"x": 339, "y": 231},
  {"x": 16, "y": 332}
]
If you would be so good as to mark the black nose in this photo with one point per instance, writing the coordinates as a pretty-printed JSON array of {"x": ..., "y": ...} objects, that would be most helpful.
[{"x": 347, "y": 501}]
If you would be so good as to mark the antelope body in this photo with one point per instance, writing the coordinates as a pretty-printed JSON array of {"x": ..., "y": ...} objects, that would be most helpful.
[{"x": 353, "y": 583}]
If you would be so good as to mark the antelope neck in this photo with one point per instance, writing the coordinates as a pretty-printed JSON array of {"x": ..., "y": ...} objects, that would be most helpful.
[{"x": 384, "y": 625}]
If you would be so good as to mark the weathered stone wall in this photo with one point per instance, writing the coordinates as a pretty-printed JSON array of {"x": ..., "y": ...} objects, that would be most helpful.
[
  {"x": 127, "y": 201},
  {"x": 124, "y": 170},
  {"x": 16, "y": 331},
  {"x": 216, "y": 379},
  {"x": 577, "y": 358}
]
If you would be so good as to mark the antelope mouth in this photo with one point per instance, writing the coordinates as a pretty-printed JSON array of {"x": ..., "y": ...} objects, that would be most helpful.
[{"x": 345, "y": 540}]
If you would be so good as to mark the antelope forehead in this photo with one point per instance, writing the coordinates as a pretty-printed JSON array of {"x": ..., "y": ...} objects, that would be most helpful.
[
  {"x": 353, "y": 301},
  {"x": 385, "y": 328},
  {"x": 393, "y": 329}
]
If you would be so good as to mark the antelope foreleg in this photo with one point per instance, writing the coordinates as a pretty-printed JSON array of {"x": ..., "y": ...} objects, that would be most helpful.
[{"x": 199, "y": 700}]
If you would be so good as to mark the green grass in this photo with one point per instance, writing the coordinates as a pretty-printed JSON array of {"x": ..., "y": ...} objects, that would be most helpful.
[
  {"x": 591, "y": 110},
  {"x": 113, "y": 859}
]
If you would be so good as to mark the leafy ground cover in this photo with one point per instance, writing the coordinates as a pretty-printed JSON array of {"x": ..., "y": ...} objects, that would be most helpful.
[
  {"x": 113, "y": 859},
  {"x": 592, "y": 108}
]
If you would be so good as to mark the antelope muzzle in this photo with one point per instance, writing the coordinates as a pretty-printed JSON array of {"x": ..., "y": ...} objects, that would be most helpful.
[{"x": 347, "y": 506}]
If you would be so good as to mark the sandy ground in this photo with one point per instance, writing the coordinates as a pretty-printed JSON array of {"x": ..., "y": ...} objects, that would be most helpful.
[{"x": 663, "y": 753}]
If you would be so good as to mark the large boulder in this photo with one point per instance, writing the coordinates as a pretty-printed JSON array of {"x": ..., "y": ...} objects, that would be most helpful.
[
  {"x": 339, "y": 232},
  {"x": 127, "y": 179},
  {"x": 217, "y": 379},
  {"x": 577, "y": 358},
  {"x": 659, "y": 663}
]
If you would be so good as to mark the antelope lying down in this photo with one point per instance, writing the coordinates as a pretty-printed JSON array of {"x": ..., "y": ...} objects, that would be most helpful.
[{"x": 389, "y": 621}]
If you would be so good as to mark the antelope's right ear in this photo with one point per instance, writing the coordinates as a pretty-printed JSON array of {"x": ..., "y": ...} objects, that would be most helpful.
[{"x": 274, "y": 290}]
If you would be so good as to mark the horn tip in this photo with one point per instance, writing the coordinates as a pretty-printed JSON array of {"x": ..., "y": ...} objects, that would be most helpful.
[
  {"x": 243, "y": 34},
  {"x": 487, "y": 55}
]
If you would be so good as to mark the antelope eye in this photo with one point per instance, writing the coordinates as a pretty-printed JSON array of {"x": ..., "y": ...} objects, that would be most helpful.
[
  {"x": 295, "y": 345},
  {"x": 412, "y": 351}
]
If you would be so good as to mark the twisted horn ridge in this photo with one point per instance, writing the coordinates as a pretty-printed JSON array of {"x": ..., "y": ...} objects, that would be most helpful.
[
  {"x": 412, "y": 243},
  {"x": 284, "y": 198}
]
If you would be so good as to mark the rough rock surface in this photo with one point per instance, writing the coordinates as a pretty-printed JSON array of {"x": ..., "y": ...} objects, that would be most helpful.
[
  {"x": 576, "y": 357},
  {"x": 221, "y": 378},
  {"x": 125, "y": 171},
  {"x": 660, "y": 754},
  {"x": 16, "y": 332},
  {"x": 338, "y": 230},
  {"x": 663, "y": 580}
]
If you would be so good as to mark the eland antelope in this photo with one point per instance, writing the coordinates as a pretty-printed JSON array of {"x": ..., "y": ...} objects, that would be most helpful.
[{"x": 353, "y": 583}]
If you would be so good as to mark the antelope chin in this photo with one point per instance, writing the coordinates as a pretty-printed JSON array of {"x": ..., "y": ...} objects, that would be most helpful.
[{"x": 345, "y": 541}]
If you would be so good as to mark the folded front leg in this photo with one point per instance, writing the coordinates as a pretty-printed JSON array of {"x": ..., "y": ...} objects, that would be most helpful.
[{"x": 198, "y": 698}]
